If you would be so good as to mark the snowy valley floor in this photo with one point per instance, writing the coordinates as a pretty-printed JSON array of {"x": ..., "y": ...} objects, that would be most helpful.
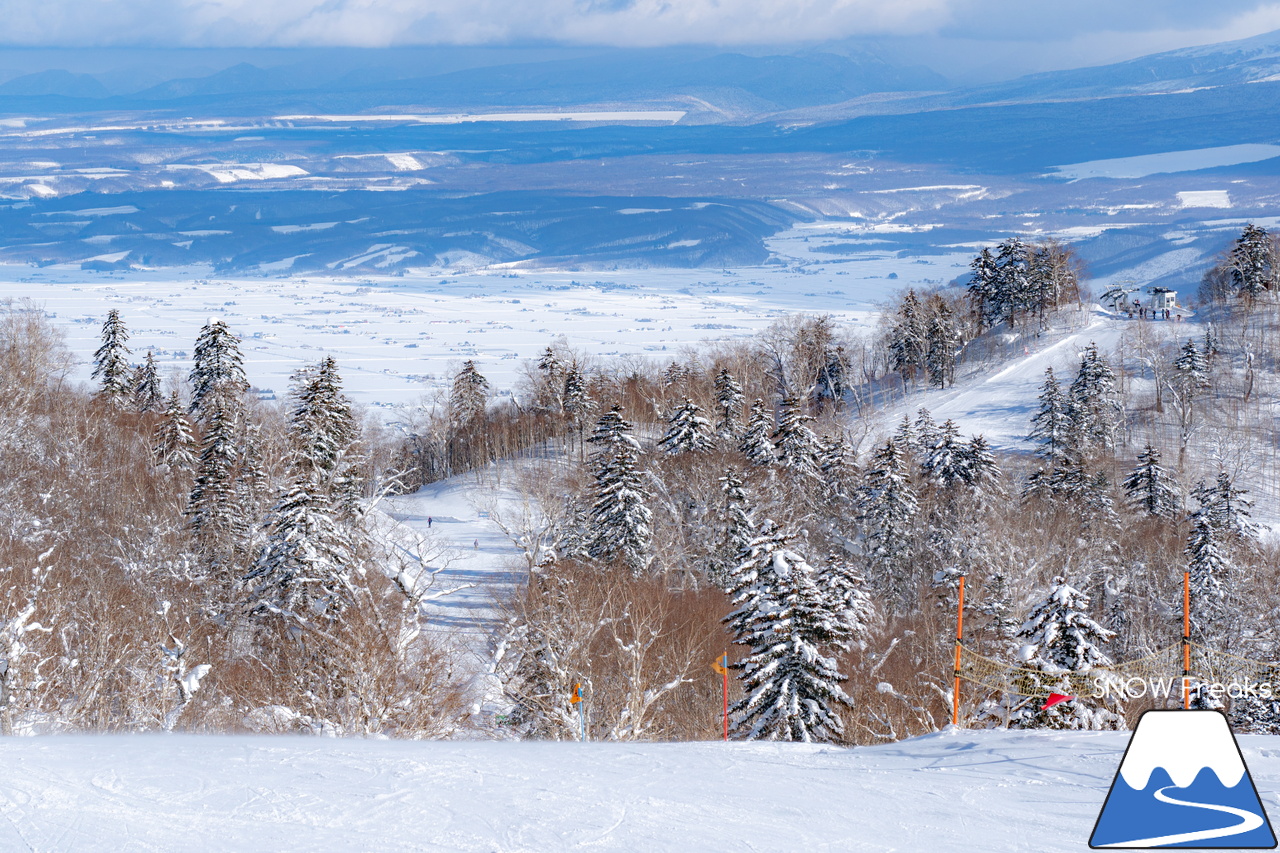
[{"x": 954, "y": 791}]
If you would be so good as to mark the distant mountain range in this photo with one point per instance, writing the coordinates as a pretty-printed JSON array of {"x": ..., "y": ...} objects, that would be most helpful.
[
  {"x": 355, "y": 82},
  {"x": 740, "y": 85}
]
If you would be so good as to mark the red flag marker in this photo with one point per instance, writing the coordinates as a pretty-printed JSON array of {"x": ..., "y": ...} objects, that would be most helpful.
[{"x": 1054, "y": 699}]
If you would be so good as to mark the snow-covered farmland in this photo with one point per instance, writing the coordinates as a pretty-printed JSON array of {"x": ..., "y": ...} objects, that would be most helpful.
[
  {"x": 399, "y": 338},
  {"x": 1169, "y": 161},
  {"x": 955, "y": 791}
]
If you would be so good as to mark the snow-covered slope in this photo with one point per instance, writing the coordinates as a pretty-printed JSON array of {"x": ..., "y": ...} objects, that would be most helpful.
[
  {"x": 999, "y": 404},
  {"x": 1252, "y": 60},
  {"x": 954, "y": 791}
]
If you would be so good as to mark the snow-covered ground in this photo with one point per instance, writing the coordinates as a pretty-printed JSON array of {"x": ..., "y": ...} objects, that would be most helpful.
[
  {"x": 954, "y": 791},
  {"x": 398, "y": 339},
  {"x": 476, "y": 557},
  {"x": 1000, "y": 404},
  {"x": 452, "y": 529},
  {"x": 1170, "y": 161}
]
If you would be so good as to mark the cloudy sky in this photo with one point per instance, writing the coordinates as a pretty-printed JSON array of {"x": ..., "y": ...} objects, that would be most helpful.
[{"x": 1033, "y": 33}]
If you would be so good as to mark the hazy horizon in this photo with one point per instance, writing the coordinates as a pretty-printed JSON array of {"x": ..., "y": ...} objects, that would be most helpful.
[{"x": 967, "y": 41}]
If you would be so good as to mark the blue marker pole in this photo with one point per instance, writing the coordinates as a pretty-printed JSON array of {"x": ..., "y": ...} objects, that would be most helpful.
[{"x": 576, "y": 699}]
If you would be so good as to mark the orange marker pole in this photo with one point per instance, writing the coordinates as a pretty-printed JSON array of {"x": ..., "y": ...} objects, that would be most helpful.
[
  {"x": 955, "y": 691},
  {"x": 1186, "y": 640}
]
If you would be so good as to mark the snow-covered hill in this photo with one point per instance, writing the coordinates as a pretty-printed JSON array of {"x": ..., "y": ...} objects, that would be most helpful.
[{"x": 953, "y": 791}]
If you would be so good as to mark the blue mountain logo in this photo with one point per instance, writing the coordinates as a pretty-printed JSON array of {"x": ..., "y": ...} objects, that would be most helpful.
[{"x": 1183, "y": 783}]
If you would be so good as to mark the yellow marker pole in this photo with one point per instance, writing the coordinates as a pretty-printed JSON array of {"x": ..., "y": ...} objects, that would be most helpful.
[{"x": 955, "y": 691}]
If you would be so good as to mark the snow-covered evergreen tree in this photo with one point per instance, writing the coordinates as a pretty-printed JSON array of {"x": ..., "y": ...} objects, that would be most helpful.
[
  {"x": 552, "y": 372},
  {"x": 1094, "y": 405},
  {"x": 145, "y": 386},
  {"x": 1190, "y": 370},
  {"x": 321, "y": 423},
  {"x": 922, "y": 436},
  {"x": 1051, "y": 426},
  {"x": 984, "y": 291},
  {"x": 111, "y": 361},
  {"x": 688, "y": 431},
  {"x": 217, "y": 375},
  {"x": 577, "y": 404},
  {"x": 174, "y": 441},
  {"x": 1252, "y": 264},
  {"x": 729, "y": 400},
  {"x": 797, "y": 446},
  {"x": 468, "y": 397},
  {"x": 620, "y": 518},
  {"x": 737, "y": 530},
  {"x": 946, "y": 464},
  {"x": 1210, "y": 570},
  {"x": 304, "y": 569},
  {"x": 836, "y": 466},
  {"x": 215, "y": 515},
  {"x": 1059, "y": 637},
  {"x": 982, "y": 471},
  {"x": 1226, "y": 507},
  {"x": 943, "y": 343},
  {"x": 831, "y": 385},
  {"x": 1014, "y": 286},
  {"x": 908, "y": 340},
  {"x": 1095, "y": 506},
  {"x": 1150, "y": 488},
  {"x": 889, "y": 507},
  {"x": 611, "y": 431},
  {"x": 676, "y": 374},
  {"x": 847, "y": 596},
  {"x": 756, "y": 444},
  {"x": 997, "y": 606},
  {"x": 790, "y": 686},
  {"x": 1210, "y": 344}
]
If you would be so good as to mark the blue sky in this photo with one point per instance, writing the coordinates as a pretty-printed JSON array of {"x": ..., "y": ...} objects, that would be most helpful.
[{"x": 1031, "y": 34}]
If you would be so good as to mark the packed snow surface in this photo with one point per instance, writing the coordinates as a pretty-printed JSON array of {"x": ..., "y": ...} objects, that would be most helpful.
[{"x": 953, "y": 791}]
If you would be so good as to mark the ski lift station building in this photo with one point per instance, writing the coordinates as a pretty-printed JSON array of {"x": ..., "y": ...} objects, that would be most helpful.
[{"x": 1162, "y": 298}]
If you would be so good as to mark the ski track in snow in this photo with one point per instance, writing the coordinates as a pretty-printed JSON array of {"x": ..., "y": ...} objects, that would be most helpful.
[
  {"x": 955, "y": 791},
  {"x": 1000, "y": 405},
  {"x": 480, "y": 563},
  {"x": 480, "y": 554}
]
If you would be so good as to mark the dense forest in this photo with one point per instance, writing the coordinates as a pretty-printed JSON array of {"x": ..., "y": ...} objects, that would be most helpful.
[{"x": 179, "y": 554}]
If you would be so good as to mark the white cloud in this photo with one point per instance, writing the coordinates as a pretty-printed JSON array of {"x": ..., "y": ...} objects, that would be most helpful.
[{"x": 373, "y": 23}]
